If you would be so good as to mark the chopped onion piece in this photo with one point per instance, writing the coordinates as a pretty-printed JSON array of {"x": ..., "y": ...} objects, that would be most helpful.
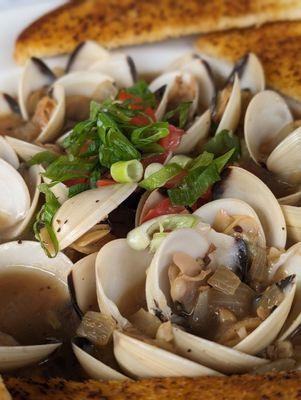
[
  {"x": 145, "y": 322},
  {"x": 224, "y": 280},
  {"x": 96, "y": 327}
]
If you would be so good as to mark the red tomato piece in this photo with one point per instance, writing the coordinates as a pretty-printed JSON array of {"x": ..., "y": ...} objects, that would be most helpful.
[
  {"x": 176, "y": 180},
  {"x": 164, "y": 207},
  {"x": 105, "y": 182},
  {"x": 203, "y": 199},
  {"x": 72, "y": 182},
  {"x": 156, "y": 158},
  {"x": 173, "y": 139}
]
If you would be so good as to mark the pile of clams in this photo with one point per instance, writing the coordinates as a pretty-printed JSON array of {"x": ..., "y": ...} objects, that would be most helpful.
[{"x": 209, "y": 290}]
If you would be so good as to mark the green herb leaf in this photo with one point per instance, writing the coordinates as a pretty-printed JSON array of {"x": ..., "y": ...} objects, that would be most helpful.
[
  {"x": 178, "y": 116},
  {"x": 222, "y": 142},
  {"x": 45, "y": 158},
  {"x": 140, "y": 89},
  {"x": 194, "y": 185},
  {"x": 114, "y": 146},
  {"x": 146, "y": 135},
  {"x": 159, "y": 178},
  {"x": 222, "y": 161},
  {"x": 78, "y": 188},
  {"x": 203, "y": 160},
  {"x": 81, "y": 133},
  {"x": 43, "y": 230},
  {"x": 68, "y": 167}
]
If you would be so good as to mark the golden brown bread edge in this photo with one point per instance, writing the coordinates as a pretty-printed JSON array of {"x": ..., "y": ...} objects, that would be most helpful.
[
  {"x": 4, "y": 395},
  {"x": 278, "y": 46},
  {"x": 115, "y": 23},
  {"x": 284, "y": 386}
]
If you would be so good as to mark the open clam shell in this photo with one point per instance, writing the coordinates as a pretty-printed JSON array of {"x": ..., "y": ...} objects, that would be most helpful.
[
  {"x": 147, "y": 201},
  {"x": 84, "y": 55},
  {"x": 251, "y": 73},
  {"x": 57, "y": 117},
  {"x": 196, "y": 135},
  {"x": 14, "y": 196},
  {"x": 231, "y": 114},
  {"x": 23, "y": 149},
  {"x": 32, "y": 178},
  {"x": 241, "y": 184},
  {"x": 289, "y": 263},
  {"x": 8, "y": 105},
  {"x": 175, "y": 86},
  {"x": 36, "y": 75},
  {"x": 8, "y": 154},
  {"x": 292, "y": 217},
  {"x": 30, "y": 254},
  {"x": 120, "y": 67},
  {"x": 214, "y": 355},
  {"x": 200, "y": 69},
  {"x": 80, "y": 213},
  {"x": 95, "y": 368},
  {"x": 266, "y": 116},
  {"x": 143, "y": 360},
  {"x": 285, "y": 160},
  {"x": 121, "y": 296}
]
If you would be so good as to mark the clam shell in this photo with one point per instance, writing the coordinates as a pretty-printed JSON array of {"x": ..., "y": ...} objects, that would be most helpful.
[
  {"x": 147, "y": 201},
  {"x": 24, "y": 149},
  {"x": 214, "y": 355},
  {"x": 86, "y": 209},
  {"x": 84, "y": 55},
  {"x": 14, "y": 196},
  {"x": 241, "y": 184},
  {"x": 120, "y": 67},
  {"x": 57, "y": 119},
  {"x": 292, "y": 217},
  {"x": 266, "y": 116},
  {"x": 196, "y": 135},
  {"x": 35, "y": 75},
  {"x": 231, "y": 115},
  {"x": 33, "y": 180},
  {"x": 121, "y": 296},
  {"x": 251, "y": 74},
  {"x": 8, "y": 154},
  {"x": 95, "y": 368},
  {"x": 285, "y": 159},
  {"x": 8, "y": 105},
  {"x": 31, "y": 254},
  {"x": 143, "y": 360},
  {"x": 291, "y": 199}
]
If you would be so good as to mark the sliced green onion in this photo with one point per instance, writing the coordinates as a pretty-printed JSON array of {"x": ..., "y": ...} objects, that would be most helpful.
[
  {"x": 181, "y": 160},
  {"x": 127, "y": 171},
  {"x": 202, "y": 160},
  {"x": 158, "y": 179},
  {"x": 140, "y": 238},
  {"x": 156, "y": 241},
  {"x": 151, "y": 169}
]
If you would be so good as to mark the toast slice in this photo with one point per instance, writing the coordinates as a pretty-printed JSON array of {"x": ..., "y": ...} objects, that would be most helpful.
[
  {"x": 115, "y": 23},
  {"x": 278, "y": 46},
  {"x": 284, "y": 386}
]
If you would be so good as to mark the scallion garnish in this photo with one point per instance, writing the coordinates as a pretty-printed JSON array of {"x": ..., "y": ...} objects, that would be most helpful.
[
  {"x": 127, "y": 171},
  {"x": 159, "y": 178}
]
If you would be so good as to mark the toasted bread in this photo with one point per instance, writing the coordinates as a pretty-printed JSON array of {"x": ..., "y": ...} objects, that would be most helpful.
[
  {"x": 284, "y": 386},
  {"x": 115, "y": 23},
  {"x": 278, "y": 46},
  {"x": 4, "y": 395}
]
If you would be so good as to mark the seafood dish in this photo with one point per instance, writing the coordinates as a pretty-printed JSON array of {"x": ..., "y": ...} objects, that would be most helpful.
[{"x": 150, "y": 227}]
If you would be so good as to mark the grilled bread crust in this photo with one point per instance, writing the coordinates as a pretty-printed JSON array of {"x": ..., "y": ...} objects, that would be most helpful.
[
  {"x": 115, "y": 23},
  {"x": 278, "y": 46},
  {"x": 284, "y": 386}
]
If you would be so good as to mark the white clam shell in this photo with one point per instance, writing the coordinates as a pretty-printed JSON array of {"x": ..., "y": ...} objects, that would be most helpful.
[
  {"x": 30, "y": 254},
  {"x": 194, "y": 242},
  {"x": 117, "y": 259},
  {"x": 147, "y": 201},
  {"x": 243, "y": 185},
  {"x": 195, "y": 65},
  {"x": 291, "y": 199},
  {"x": 214, "y": 355},
  {"x": 8, "y": 154},
  {"x": 292, "y": 215},
  {"x": 84, "y": 282},
  {"x": 143, "y": 360},
  {"x": 84, "y": 210},
  {"x": 33, "y": 180},
  {"x": 95, "y": 368},
  {"x": 285, "y": 159},
  {"x": 119, "y": 66},
  {"x": 170, "y": 80},
  {"x": 208, "y": 211},
  {"x": 86, "y": 54},
  {"x": 266, "y": 116},
  {"x": 231, "y": 115},
  {"x": 196, "y": 135},
  {"x": 56, "y": 121},
  {"x": 7, "y": 105},
  {"x": 252, "y": 77},
  {"x": 24, "y": 149},
  {"x": 14, "y": 196},
  {"x": 35, "y": 75}
]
